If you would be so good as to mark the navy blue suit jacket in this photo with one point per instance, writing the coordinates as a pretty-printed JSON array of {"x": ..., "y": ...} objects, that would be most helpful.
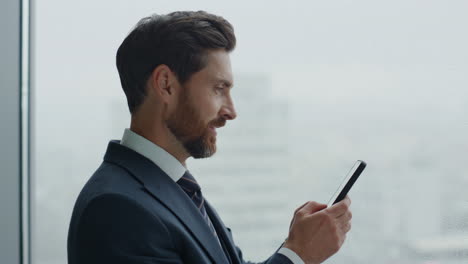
[{"x": 130, "y": 211}]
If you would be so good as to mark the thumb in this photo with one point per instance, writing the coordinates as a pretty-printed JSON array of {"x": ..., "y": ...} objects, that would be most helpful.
[
  {"x": 295, "y": 212},
  {"x": 312, "y": 207}
]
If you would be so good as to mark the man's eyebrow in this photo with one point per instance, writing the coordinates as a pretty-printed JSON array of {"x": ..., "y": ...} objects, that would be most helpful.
[{"x": 225, "y": 83}]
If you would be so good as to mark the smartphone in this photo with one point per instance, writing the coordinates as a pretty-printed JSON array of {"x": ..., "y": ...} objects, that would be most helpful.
[{"x": 348, "y": 182}]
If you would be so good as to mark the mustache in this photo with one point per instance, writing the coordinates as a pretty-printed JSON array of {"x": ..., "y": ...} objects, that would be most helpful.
[{"x": 220, "y": 122}]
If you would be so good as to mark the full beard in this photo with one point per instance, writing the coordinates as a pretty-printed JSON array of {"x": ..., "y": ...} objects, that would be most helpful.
[{"x": 189, "y": 129}]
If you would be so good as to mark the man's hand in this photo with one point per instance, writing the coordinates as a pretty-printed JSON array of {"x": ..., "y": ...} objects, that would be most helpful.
[{"x": 318, "y": 232}]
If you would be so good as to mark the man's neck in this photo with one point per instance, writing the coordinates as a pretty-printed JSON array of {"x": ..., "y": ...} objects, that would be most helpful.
[{"x": 161, "y": 136}]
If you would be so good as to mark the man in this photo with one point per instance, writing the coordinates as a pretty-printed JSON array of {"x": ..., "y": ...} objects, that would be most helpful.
[{"x": 142, "y": 205}]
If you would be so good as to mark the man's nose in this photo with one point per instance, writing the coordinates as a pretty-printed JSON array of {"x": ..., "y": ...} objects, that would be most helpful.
[{"x": 229, "y": 111}]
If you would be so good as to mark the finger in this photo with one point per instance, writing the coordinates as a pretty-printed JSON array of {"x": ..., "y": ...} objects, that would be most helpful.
[
  {"x": 345, "y": 226},
  {"x": 340, "y": 208},
  {"x": 348, "y": 227},
  {"x": 295, "y": 212},
  {"x": 344, "y": 222},
  {"x": 348, "y": 200},
  {"x": 300, "y": 208},
  {"x": 312, "y": 207},
  {"x": 346, "y": 217}
]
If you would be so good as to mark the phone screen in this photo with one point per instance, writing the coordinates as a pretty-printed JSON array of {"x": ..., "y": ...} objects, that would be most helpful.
[{"x": 348, "y": 182}]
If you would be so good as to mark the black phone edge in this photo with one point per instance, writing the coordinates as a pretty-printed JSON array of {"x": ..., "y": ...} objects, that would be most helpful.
[{"x": 351, "y": 182}]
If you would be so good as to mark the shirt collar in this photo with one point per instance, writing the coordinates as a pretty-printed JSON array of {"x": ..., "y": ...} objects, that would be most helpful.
[{"x": 168, "y": 163}]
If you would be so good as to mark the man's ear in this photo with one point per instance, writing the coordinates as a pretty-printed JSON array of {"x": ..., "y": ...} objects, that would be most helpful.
[{"x": 162, "y": 82}]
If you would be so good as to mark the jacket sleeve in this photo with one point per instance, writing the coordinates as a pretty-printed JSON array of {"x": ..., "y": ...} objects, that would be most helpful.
[
  {"x": 116, "y": 229},
  {"x": 276, "y": 258}
]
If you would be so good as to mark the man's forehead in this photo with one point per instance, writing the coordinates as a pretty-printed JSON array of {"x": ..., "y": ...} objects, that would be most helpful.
[{"x": 219, "y": 67}]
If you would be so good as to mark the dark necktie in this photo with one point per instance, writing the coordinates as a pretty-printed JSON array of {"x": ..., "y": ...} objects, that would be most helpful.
[{"x": 192, "y": 189}]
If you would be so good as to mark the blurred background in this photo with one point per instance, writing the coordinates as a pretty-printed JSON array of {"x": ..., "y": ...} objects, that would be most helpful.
[{"x": 318, "y": 85}]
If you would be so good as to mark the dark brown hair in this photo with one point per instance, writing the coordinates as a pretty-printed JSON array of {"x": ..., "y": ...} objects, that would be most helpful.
[{"x": 178, "y": 40}]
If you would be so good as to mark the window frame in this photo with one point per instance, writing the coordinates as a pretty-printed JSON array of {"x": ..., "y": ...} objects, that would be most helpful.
[{"x": 14, "y": 117}]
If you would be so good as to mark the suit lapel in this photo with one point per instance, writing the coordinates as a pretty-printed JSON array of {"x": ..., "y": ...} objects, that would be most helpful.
[
  {"x": 165, "y": 190},
  {"x": 223, "y": 234}
]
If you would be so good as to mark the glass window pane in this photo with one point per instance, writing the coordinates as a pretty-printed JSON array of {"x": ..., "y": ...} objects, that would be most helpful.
[{"x": 317, "y": 86}]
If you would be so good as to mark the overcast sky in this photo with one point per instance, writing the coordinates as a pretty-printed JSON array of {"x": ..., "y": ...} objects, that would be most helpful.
[{"x": 78, "y": 39}]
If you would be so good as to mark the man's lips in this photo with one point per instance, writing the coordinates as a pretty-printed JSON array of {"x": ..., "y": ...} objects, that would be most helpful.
[
  {"x": 214, "y": 126},
  {"x": 213, "y": 130}
]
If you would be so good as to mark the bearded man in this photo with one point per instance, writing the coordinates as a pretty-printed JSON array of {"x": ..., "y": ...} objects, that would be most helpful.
[{"x": 142, "y": 205}]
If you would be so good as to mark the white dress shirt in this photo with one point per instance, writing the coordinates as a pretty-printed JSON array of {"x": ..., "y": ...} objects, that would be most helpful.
[{"x": 172, "y": 167}]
